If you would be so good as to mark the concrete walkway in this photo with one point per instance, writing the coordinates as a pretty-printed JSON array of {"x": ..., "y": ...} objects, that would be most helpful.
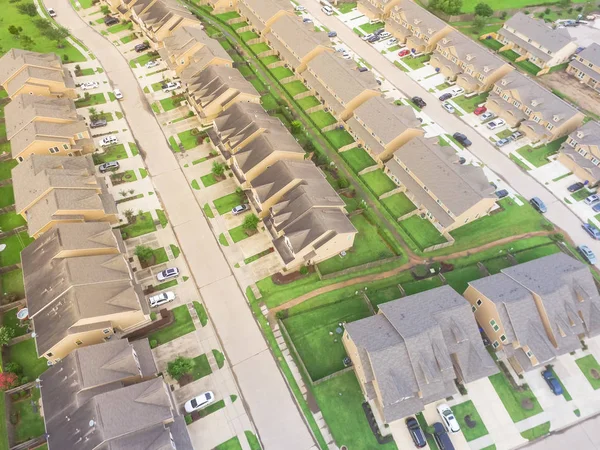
[{"x": 270, "y": 403}]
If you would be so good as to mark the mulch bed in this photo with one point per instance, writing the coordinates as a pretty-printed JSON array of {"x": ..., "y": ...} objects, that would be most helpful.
[
  {"x": 281, "y": 279},
  {"x": 527, "y": 404},
  {"x": 595, "y": 374}
]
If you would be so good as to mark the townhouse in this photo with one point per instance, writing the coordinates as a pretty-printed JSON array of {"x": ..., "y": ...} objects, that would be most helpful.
[
  {"x": 473, "y": 67},
  {"x": 416, "y": 27},
  {"x": 536, "y": 41},
  {"x": 580, "y": 153},
  {"x": 108, "y": 396},
  {"x": 263, "y": 13},
  {"x": 536, "y": 311},
  {"x": 190, "y": 50},
  {"x": 215, "y": 89},
  {"x": 219, "y": 6},
  {"x": 376, "y": 10},
  {"x": 32, "y": 73},
  {"x": 79, "y": 288},
  {"x": 537, "y": 112},
  {"x": 59, "y": 189},
  {"x": 411, "y": 353},
  {"x": 37, "y": 125},
  {"x": 381, "y": 127},
  {"x": 586, "y": 66},
  {"x": 446, "y": 191}
]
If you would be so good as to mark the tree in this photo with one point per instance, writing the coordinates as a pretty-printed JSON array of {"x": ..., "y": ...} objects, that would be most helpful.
[
  {"x": 296, "y": 127},
  {"x": 144, "y": 253},
  {"x": 15, "y": 31},
  {"x": 250, "y": 223},
  {"x": 27, "y": 8},
  {"x": 483, "y": 10},
  {"x": 564, "y": 3},
  {"x": 179, "y": 367},
  {"x": 27, "y": 42},
  {"x": 218, "y": 169},
  {"x": 448, "y": 6},
  {"x": 129, "y": 215},
  {"x": 93, "y": 113},
  {"x": 6, "y": 334},
  {"x": 57, "y": 34},
  {"x": 105, "y": 10},
  {"x": 478, "y": 23},
  {"x": 8, "y": 380},
  {"x": 123, "y": 193}
]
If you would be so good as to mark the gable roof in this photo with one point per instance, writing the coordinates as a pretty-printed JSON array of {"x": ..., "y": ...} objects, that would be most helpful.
[
  {"x": 419, "y": 16},
  {"x": 51, "y": 132},
  {"x": 214, "y": 81},
  {"x": 300, "y": 37},
  {"x": 472, "y": 53},
  {"x": 266, "y": 9},
  {"x": 538, "y": 31},
  {"x": 591, "y": 53}
]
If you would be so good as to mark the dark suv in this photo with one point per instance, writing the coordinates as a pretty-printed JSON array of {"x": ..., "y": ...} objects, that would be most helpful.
[
  {"x": 415, "y": 432},
  {"x": 141, "y": 47},
  {"x": 461, "y": 138},
  {"x": 441, "y": 437},
  {"x": 110, "y": 20},
  {"x": 418, "y": 101},
  {"x": 98, "y": 123}
]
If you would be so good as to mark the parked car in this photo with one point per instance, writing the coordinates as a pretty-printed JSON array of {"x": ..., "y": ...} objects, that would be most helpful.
[
  {"x": 98, "y": 123},
  {"x": 109, "y": 166},
  {"x": 576, "y": 187},
  {"x": 479, "y": 110},
  {"x": 161, "y": 299},
  {"x": 379, "y": 31},
  {"x": 487, "y": 115},
  {"x": 501, "y": 193},
  {"x": 448, "y": 418},
  {"x": 300, "y": 8},
  {"x": 346, "y": 55},
  {"x": 384, "y": 35},
  {"x": 456, "y": 91},
  {"x": 538, "y": 204},
  {"x": 591, "y": 229},
  {"x": 591, "y": 199},
  {"x": 108, "y": 140},
  {"x": 441, "y": 437},
  {"x": 587, "y": 254},
  {"x": 497, "y": 123},
  {"x": 141, "y": 47},
  {"x": 199, "y": 402},
  {"x": 366, "y": 37},
  {"x": 110, "y": 20},
  {"x": 445, "y": 97},
  {"x": 462, "y": 139},
  {"x": 363, "y": 69},
  {"x": 51, "y": 12},
  {"x": 151, "y": 64},
  {"x": 373, "y": 39},
  {"x": 418, "y": 101},
  {"x": 172, "y": 272},
  {"x": 307, "y": 20},
  {"x": 502, "y": 142},
  {"x": 332, "y": 34},
  {"x": 392, "y": 41},
  {"x": 89, "y": 85},
  {"x": 171, "y": 86},
  {"x": 553, "y": 383},
  {"x": 516, "y": 136},
  {"x": 239, "y": 209},
  {"x": 118, "y": 94},
  {"x": 415, "y": 432},
  {"x": 404, "y": 52},
  {"x": 448, "y": 107}
]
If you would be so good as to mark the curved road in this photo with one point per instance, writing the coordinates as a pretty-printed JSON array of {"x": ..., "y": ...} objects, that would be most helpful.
[{"x": 279, "y": 422}]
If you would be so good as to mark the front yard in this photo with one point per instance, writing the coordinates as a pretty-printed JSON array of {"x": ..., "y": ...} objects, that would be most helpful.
[
  {"x": 226, "y": 203},
  {"x": 519, "y": 405},
  {"x": 469, "y": 104},
  {"x": 142, "y": 224},
  {"x": 539, "y": 156},
  {"x": 591, "y": 369},
  {"x": 182, "y": 325},
  {"x": 416, "y": 62},
  {"x": 469, "y": 420}
]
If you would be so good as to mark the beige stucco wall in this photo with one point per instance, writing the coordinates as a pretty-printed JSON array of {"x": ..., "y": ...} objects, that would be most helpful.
[
  {"x": 577, "y": 169},
  {"x": 77, "y": 217},
  {"x": 45, "y": 88},
  {"x": 332, "y": 248},
  {"x": 484, "y": 314},
  {"x": 477, "y": 211}
]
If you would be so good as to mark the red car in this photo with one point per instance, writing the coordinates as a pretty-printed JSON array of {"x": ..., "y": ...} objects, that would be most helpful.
[
  {"x": 404, "y": 52},
  {"x": 480, "y": 110}
]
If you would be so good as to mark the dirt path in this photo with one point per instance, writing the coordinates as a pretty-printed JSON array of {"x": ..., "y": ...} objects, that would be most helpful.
[{"x": 395, "y": 271}]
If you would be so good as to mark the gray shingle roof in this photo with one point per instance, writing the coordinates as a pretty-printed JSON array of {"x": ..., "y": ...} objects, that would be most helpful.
[
  {"x": 214, "y": 81},
  {"x": 472, "y": 53},
  {"x": 591, "y": 53},
  {"x": 299, "y": 36},
  {"x": 265, "y": 9},
  {"x": 538, "y": 31},
  {"x": 420, "y": 17},
  {"x": 587, "y": 134}
]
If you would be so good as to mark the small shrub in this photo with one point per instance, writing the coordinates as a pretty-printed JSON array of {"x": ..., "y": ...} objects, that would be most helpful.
[
  {"x": 195, "y": 131},
  {"x": 153, "y": 316},
  {"x": 547, "y": 11},
  {"x": 304, "y": 270},
  {"x": 188, "y": 419},
  {"x": 13, "y": 367},
  {"x": 153, "y": 343},
  {"x": 503, "y": 15}
]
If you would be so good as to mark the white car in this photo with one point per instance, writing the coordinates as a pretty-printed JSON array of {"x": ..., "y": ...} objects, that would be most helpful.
[
  {"x": 51, "y": 12},
  {"x": 448, "y": 107},
  {"x": 161, "y": 299},
  {"x": 448, "y": 418},
  {"x": 108, "y": 140},
  {"x": 171, "y": 86},
  {"x": 300, "y": 8},
  {"x": 367, "y": 37},
  {"x": 385, "y": 35},
  {"x": 495, "y": 124},
  {"x": 118, "y": 94},
  {"x": 199, "y": 402},
  {"x": 590, "y": 200},
  {"x": 166, "y": 274},
  {"x": 487, "y": 115},
  {"x": 151, "y": 64},
  {"x": 346, "y": 56},
  {"x": 457, "y": 91},
  {"x": 89, "y": 85}
]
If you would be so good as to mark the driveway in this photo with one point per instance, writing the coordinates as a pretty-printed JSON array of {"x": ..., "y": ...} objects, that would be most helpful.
[{"x": 271, "y": 407}]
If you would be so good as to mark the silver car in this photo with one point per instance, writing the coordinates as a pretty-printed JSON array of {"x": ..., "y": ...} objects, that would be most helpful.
[
  {"x": 448, "y": 107},
  {"x": 161, "y": 299}
]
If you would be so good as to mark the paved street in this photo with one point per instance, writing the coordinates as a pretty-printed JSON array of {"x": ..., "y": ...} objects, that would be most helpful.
[
  {"x": 583, "y": 436},
  {"x": 558, "y": 213},
  {"x": 270, "y": 404}
]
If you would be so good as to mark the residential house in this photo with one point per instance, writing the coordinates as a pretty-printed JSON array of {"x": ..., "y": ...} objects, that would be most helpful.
[
  {"x": 220, "y": 6},
  {"x": 536, "y": 41},
  {"x": 381, "y": 127},
  {"x": 411, "y": 353},
  {"x": 416, "y": 27},
  {"x": 261, "y": 14},
  {"x": 472, "y": 66},
  {"x": 537, "y": 112},
  {"x": 580, "y": 153},
  {"x": 107, "y": 396},
  {"x": 447, "y": 191},
  {"x": 215, "y": 89},
  {"x": 159, "y": 19},
  {"x": 538, "y": 310},
  {"x": 586, "y": 66},
  {"x": 59, "y": 189},
  {"x": 79, "y": 288},
  {"x": 32, "y": 73},
  {"x": 190, "y": 50},
  {"x": 376, "y": 10},
  {"x": 38, "y": 125}
]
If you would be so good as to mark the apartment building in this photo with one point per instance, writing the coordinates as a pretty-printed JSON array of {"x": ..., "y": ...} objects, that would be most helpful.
[
  {"x": 536, "y": 311},
  {"x": 412, "y": 352},
  {"x": 32, "y": 73},
  {"x": 416, "y": 27},
  {"x": 215, "y": 89},
  {"x": 107, "y": 396},
  {"x": 446, "y": 191},
  {"x": 580, "y": 153},
  {"x": 586, "y": 66},
  {"x": 50, "y": 190},
  {"x": 37, "y": 125},
  {"x": 537, "y": 112},
  {"x": 189, "y": 50},
  {"x": 377, "y": 10},
  {"x": 159, "y": 19},
  {"x": 536, "y": 41},
  {"x": 79, "y": 288},
  {"x": 263, "y": 13},
  {"x": 472, "y": 66},
  {"x": 381, "y": 127}
]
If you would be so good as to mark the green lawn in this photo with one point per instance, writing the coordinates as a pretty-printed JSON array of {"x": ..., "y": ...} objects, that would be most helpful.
[
  {"x": 188, "y": 140},
  {"x": 171, "y": 103},
  {"x": 126, "y": 39},
  {"x": 86, "y": 72},
  {"x": 510, "y": 55},
  {"x": 340, "y": 400},
  {"x": 259, "y": 48},
  {"x": 368, "y": 246},
  {"x": 269, "y": 60},
  {"x": 10, "y": 221},
  {"x": 226, "y": 203},
  {"x": 143, "y": 224},
  {"x": 201, "y": 312},
  {"x": 9, "y": 320},
  {"x": 345, "y": 8},
  {"x": 143, "y": 59},
  {"x": 3, "y": 428},
  {"x": 231, "y": 444},
  {"x": 459, "y": 278},
  {"x": 209, "y": 180},
  {"x": 182, "y": 325},
  {"x": 492, "y": 44},
  {"x": 587, "y": 364},
  {"x": 219, "y": 358},
  {"x": 281, "y": 72},
  {"x": 511, "y": 399},
  {"x": 238, "y": 234},
  {"x": 252, "y": 440},
  {"x": 308, "y": 102},
  {"x": 339, "y": 138},
  {"x": 565, "y": 393},
  {"x": 123, "y": 177},
  {"x": 417, "y": 62},
  {"x": 295, "y": 87},
  {"x": 6, "y": 167},
  {"x": 120, "y": 27},
  {"x": 201, "y": 367},
  {"x": 227, "y": 16},
  {"x": 248, "y": 35},
  {"x": 468, "y": 6},
  {"x": 162, "y": 217},
  {"x": 358, "y": 159},
  {"x": 208, "y": 211},
  {"x": 268, "y": 102},
  {"x": 378, "y": 182},
  {"x": 14, "y": 244},
  {"x": 539, "y": 156},
  {"x": 398, "y": 204},
  {"x": 114, "y": 153},
  {"x": 94, "y": 99},
  {"x": 422, "y": 231},
  {"x": 529, "y": 67},
  {"x": 12, "y": 283},
  {"x": 31, "y": 424},
  {"x": 468, "y": 409},
  {"x": 322, "y": 119},
  {"x": 7, "y": 196},
  {"x": 25, "y": 354},
  {"x": 369, "y": 28},
  {"x": 469, "y": 104},
  {"x": 536, "y": 432}
]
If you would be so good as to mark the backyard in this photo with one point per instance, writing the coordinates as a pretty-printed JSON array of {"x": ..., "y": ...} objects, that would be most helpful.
[
  {"x": 30, "y": 423},
  {"x": 378, "y": 182},
  {"x": 358, "y": 159},
  {"x": 422, "y": 232},
  {"x": 398, "y": 204},
  {"x": 24, "y": 353},
  {"x": 183, "y": 324}
]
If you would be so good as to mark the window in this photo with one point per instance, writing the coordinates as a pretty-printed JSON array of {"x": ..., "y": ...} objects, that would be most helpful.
[
  {"x": 572, "y": 142},
  {"x": 479, "y": 302},
  {"x": 582, "y": 152},
  {"x": 496, "y": 328},
  {"x": 473, "y": 308},
  {"x": 502, "y": 337},
  {"x": 527, "y": 111},
  {"x": 580, "y": 75},
  {"x": 20, "y": 158},
  {"x": 78, "y": 342},
  {"x": 50, "y": 354},
  {"x": 492, "y": 322},
  {"x": 66, "y": 146},
  {"x": 595, "y": 161},
  {"x": 495, "y": 344},
  {"x": 466, "y": 220},
  {"x": 106, "y": 330},
  {"x": 54, "y": 150},
  {"x": 529, "y": 354},
  {"x": 79, "y": 135},
  {"x": 516, "y": 103},
  {"x": 549, "y": 126}
]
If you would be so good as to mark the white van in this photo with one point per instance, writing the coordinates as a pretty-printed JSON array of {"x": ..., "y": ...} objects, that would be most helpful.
[{"x": 327, "y": 10}]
